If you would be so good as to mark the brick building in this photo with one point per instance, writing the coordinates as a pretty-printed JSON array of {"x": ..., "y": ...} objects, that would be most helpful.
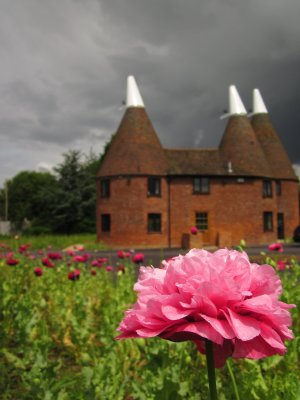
[{"x": 150, "y": 196}]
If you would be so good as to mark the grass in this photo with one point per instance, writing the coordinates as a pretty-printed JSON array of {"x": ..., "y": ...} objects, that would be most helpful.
[{"x": 57, "y": 242}]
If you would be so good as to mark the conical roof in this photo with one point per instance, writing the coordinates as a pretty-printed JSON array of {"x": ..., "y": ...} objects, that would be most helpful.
[
  {"x": 239, "y": 147},
  {"x": 241, "y": 150},
  {"x": 135, "y": 148},
  {"x": 269, "y": 140}
]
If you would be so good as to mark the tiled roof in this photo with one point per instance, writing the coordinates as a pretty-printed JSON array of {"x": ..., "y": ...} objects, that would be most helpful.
[
  {"x": 240, "y": 147},
  {"x": 244, "y": 151},
  {"x": 135, "y": 148},
  {"x": 275, "y": 153},
  {"x": 195, "y": 162}
]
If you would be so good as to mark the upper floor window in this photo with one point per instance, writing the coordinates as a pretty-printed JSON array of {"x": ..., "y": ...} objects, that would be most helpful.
[
  {"x": 105, "y": 188},
  {"x": 267, "y": 188},
  {"x": 201, "y": 184},
  {"x": 154, "y": 222},
  {"x": 105, "y": 222},
  {"x": 153, "y": 186},
  {"x": 278, "y": 188},
  {"x": 202, "y": 221},
  {"x": 268, "y": 221}
]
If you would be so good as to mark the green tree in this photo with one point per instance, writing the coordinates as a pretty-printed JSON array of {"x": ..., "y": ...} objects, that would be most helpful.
[
  {"x": 29, "y": 198},
  {"x": 75, "y": 210}
]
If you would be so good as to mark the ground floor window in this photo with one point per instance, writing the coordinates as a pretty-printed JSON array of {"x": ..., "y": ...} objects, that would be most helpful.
[
  {"x": 202, "y": 221},
  {"x": 105, "y": 222},
  {"x": 154, "y": 222},
  {"x": 268, "y": 221}
]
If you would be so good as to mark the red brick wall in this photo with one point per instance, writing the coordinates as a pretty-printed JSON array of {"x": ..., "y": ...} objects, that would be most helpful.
[
  {"x": 129, "y": 205},
  {"x": 235, "y": 212},
  {"x": 288, "y": 203}
]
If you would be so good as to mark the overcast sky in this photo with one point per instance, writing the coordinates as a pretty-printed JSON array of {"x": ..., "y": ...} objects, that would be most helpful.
[{"x": 64, "y": 64}]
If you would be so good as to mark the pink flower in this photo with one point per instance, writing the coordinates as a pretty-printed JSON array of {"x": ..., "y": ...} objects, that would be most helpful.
[
  {"x": 54, "y": 256},
  {"x": 217, "y": 296},
  {"x": 109, "y": 268},
  {"x": 12, "y": 261},
  {"x": 121, "y": 254},
  {"x": 83, "y": 258},
  {"x": 138, "y": 258},
  {"x": 23, "y": 247},
  {"x": 48, "y": 263},
  {"x": 281, "y": 265},
  {"x": 74, "y": 275},
  {"x": 276, "y": 247},
  {"x": 194, "y": 230},
  {"x": 38, "y": 271}
]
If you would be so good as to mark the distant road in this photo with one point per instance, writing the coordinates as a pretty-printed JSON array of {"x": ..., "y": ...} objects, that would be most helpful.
[{"x": 155, "y": 256}]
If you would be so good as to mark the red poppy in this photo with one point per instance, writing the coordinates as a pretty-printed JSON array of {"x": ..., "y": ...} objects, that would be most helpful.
[
  {"x": 23, "y": 247},
  {"x": 12, "y": 261},
  {"x": 81, "y": 258},
  {"x": 38, "y": 271},
  {"x": 138, "y": 258},
  {"x": 74, "y": 275},
  {"x": 47, "y": 263},
  {"x": 194, "y": 230},
  {"x": 121, "y": 254},
  {"x": 54, "y": 256}
]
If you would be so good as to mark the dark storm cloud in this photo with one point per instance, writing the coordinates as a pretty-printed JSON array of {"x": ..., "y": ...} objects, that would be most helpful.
[{"x": 64, "y": 66}]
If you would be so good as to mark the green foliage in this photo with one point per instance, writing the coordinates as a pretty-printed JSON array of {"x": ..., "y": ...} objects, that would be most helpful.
[
  {"x": 55, "y": 241},
  {"x": 60, "y": 203},
  {"x": 57, "y": 342},
  {"x": 29, "y": 197}
]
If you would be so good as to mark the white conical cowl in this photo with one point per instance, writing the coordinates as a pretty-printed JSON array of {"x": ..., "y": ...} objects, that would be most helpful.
[
  {"x": 133, "y": 98},
  {"x": 258, "y": 103},
  {"x": 236, "y": 106}
]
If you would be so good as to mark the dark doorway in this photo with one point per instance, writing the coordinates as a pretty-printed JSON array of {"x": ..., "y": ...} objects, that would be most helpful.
[{"x": 280, "y": 226}]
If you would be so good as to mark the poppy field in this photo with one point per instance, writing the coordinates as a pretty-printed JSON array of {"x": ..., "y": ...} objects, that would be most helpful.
[{"x": 59, "y": 315}]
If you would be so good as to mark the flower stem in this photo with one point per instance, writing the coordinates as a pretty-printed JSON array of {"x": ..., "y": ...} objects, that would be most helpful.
[
  {"x": 236, "y": 392},
  {"x": 211, "y": 370}
]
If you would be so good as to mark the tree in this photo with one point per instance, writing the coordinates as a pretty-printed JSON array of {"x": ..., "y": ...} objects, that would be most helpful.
[
  {"x": 75, "y": 209},
  {"x": 29, "y": 197}
]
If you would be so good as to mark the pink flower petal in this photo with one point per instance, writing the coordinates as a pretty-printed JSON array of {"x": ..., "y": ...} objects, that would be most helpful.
[
  {"x": 271, "y": 337},
  {"x": 245, "y": 328},
  {"x": 198, "y": 329},
  {"x": 221, "y": 326},
  {"x": 256, "y": 348}
]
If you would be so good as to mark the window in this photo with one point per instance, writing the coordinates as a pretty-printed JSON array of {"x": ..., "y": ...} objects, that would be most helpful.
[
  {"x": 153, "y": 186},
  {"x": 202, "y": 221},
  {"x": 268, "y": 221},
  {"x": 105, "y": 222},
  {"x": 201, "y": 185},
  {"x": 278, "y": 188},
  {"x": 267, "y": 188},
  {"x": 154, "y": 222},
  {"x": 105, "y": 188}
]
